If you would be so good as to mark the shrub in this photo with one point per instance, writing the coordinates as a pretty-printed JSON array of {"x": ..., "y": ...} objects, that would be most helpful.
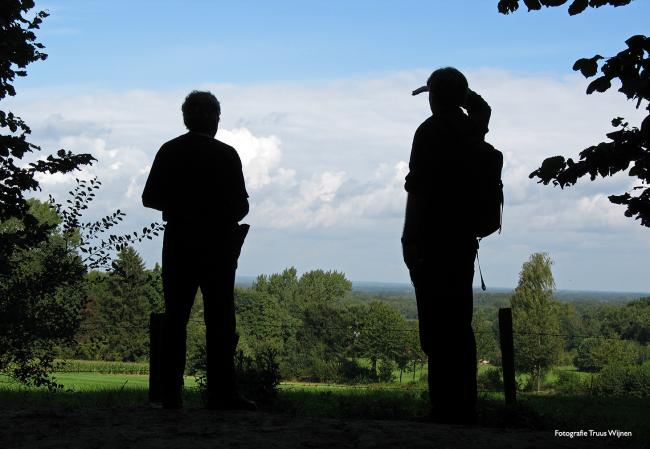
[
  {"x": 626, "y": 380},
  {"x": 258, "y": 376},
  {"x": 524, "y": 382},
  {"x": 595, "y": 353},
  {"x": 569, "y": 382},
  {"x": 351, "y": 372},
  {"x": 644, "y": 354},
  {"x": 386, "y": 369},
  {"x": 319, "y": 370},
  {"x": 490, "y": 380}
]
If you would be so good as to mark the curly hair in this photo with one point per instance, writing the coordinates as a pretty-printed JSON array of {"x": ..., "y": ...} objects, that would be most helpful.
[{"x": 201, "y": 110}]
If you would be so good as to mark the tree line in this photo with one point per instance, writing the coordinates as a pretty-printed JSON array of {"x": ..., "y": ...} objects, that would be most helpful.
[
  {"x": 314, "y": 325},
  {"x": 319, "y": 330}
]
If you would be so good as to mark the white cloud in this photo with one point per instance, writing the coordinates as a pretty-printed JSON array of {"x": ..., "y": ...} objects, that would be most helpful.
[
  {"x": 331, "y": 157},
  {"x": 322, "y": 187},
  {"x": 260, "y": 157}
]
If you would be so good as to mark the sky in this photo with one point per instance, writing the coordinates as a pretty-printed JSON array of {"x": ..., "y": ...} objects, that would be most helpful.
[{"x": 316, "y": 99}]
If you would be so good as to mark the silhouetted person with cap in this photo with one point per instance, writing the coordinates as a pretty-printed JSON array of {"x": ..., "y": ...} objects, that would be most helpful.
[
  {"x": 439, "y": 244},
  {"x": 198, "y": 184}
]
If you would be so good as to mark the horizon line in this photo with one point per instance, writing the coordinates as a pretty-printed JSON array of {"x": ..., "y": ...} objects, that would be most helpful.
[{"x": 501, "y": 288}]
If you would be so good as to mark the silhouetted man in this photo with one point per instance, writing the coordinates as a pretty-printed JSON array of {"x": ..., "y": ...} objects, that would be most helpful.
[
  {"x": 439, "y": 244},
  {"x": 197, "y": 183}
]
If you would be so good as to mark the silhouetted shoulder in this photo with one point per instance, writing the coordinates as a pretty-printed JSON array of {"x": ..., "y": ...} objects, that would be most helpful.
[
  {"x": 430, "y": 125},
  {"x": 193, "y": 170},
  {"x": 197, "y": 147},
  {"x": 228, "y": 151}
]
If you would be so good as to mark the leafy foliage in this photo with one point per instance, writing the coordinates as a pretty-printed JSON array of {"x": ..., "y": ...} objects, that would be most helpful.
[
  {"x": 42, "y": 277},
  {"x": 485, "y": 330},
  {"x": 41, "y": 294},
  {"x": 490, "y": 379},
  {"x": 316, "y": 335},
  {"x": 19, "y": 48},
  {"x": 593, "y": 354},
  {"x": 623, "y": 380},
  {"x": 320, "y": 286},
  {"x": 627, "y": 146},
  {"x": 116, "y": 315},
  {"x": 576, "y": 6},
  {"x": 536, "y": 318},
  {"x": 258, "y": 376},
  {"x": 264, "y": 323},
  {"x": 380, "y": 335},
  {"x": 97, "y": 250},
  {"x": 569, "y": 383}
]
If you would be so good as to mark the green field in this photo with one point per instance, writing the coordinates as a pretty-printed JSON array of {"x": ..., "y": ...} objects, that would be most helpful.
[{"x": 387, "y": 401}]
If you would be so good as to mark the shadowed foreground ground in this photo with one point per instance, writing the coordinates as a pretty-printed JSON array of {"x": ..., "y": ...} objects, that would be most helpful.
[{"x": 150, "y": 427}]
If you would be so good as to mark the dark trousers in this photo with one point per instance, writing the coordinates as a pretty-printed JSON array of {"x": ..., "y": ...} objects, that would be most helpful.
[
  {"x": 443, "y": 291},
  {"x": 193, "y": 259}
]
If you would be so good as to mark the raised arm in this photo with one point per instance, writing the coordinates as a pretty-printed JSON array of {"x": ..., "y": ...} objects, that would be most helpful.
[{"x": 478, "y": 111}]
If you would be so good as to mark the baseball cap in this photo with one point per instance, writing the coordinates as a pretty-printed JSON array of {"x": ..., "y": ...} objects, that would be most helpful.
[{"x": 419, "y": 90}]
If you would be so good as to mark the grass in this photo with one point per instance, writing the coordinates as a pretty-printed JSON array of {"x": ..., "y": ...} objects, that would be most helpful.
[
  {"x": 589, "y": 412},
  {"x": 553, "y": 375},
  {"x": 101, "y": 366},
  {"x": 341, "y": 401},
  {"x": 391, "y": 402},
  {"x": 87, "y": 390},
  {"x": 85, "y": 382}
]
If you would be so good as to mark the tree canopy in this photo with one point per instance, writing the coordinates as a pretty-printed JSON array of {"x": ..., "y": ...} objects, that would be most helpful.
[
  {"x": 19, "y": 48},
  {"x": 628, "y": 146},
  {"x": 576, "y": 7},
  {"x": 536, "y": 321},
  {"x": 42, "y": 292},
  {"x": 42, "y": 275}
]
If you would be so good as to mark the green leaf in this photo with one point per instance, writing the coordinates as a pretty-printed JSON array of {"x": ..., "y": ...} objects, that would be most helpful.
[
  {"x": 578, "y": 6},
  {"x": 587, "y": 66},
  {"x": 599, "y": 84},
  {"x": 533, "y": 5},
  {"x": 549, "y": 3},
  {"x": 597, "y": 3},
  {"x": 617, "y": 121},
  {"x": 637, "y": 42},
  {"x": 508, "y": 6},
  {"x": 619, "y": 199}
]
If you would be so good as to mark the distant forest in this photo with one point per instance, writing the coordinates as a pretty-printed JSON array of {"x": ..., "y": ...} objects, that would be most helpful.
[{"x": 318, "y": 328}]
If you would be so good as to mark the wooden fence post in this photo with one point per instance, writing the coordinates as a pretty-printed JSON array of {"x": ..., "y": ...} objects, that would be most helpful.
[
  {"x": 507, "y": 355},
  {"x": 155, "y": 354}
]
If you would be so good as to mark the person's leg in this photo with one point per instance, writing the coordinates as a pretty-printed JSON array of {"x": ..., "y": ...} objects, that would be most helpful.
[
  {"x": 179, "y": 287},
  {"x": 453, "y": 321},
  {"x": 467, "y": 361},
  {"x": 445, "y": 303},
  {"x": 217, "y": 287},
  {"x": 422, "y": 284}
]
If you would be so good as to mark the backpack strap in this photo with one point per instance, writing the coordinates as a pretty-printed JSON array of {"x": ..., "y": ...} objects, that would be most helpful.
[{"x": 478, "y": 241}]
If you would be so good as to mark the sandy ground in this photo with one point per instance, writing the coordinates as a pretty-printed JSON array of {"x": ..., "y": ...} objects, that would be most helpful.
[{"x": 147, "y": 427}]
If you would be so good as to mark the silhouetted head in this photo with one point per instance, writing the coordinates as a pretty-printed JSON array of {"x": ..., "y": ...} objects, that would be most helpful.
[
  {"x": 447, "y": 89},
  {"x": 201, "y": 111}
]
